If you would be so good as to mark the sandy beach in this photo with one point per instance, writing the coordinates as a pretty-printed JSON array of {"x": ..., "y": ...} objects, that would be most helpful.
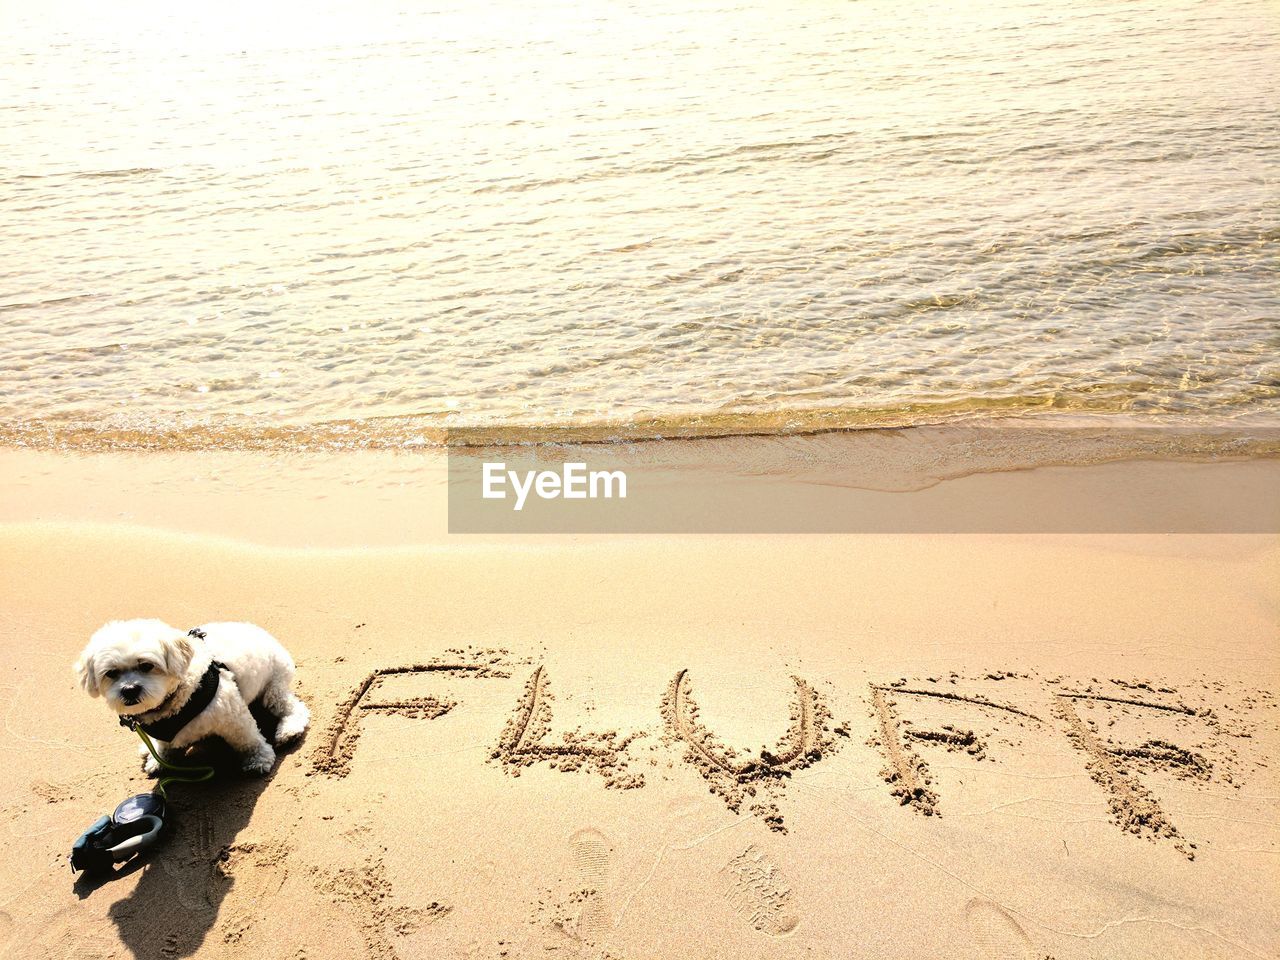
[
  {"x": 773, "y": 746},
  {"x": 736, "y": 480}
]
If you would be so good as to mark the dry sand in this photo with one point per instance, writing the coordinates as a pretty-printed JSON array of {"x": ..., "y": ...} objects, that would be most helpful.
[{"x": 881, "y": 746}]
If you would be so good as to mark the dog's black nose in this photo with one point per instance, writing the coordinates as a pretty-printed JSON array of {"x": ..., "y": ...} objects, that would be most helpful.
[{"x": 131, "y": 693}]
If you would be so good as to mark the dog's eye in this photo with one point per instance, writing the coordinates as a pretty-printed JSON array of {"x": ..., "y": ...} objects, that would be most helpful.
[
  {"x": 144, "y": 668},
  {"x": 113, "y": 674}
]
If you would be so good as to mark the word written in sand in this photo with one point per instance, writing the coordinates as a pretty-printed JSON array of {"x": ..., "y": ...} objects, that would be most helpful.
[
  {"x": 1112, "y": 766},
  {"x": 573, "y": 482},
  {"x": 1121, "y": 730},
  {"x": 339, "y": 745},
  {"x": 526, "y": 741},
  {"x": 757, "y": 779}
]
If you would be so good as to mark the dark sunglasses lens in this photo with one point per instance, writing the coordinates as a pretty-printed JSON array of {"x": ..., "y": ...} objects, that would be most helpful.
[{"x": 139, "y": 806}]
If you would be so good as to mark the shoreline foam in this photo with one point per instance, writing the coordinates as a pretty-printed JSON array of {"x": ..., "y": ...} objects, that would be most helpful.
[{"x": 1251, "y": 423}]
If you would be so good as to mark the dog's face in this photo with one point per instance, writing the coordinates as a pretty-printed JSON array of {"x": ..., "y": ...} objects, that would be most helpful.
[{"x": 134, "y": 664}]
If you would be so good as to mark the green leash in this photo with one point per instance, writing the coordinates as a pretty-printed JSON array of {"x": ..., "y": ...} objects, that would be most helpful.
[{"x": 185, "y": 775}]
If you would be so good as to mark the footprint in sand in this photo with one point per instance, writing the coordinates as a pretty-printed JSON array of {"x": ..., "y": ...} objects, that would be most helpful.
[
  {"x": 996, "y": 935},
  {"x": 592, "y": 859},
  {"x": 255, "y": 872},
  {"x": 759, "y": 893}
]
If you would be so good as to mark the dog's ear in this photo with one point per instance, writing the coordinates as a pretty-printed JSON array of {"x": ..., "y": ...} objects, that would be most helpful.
[
  {"x": 87, "y": 674},
  {"x": 178, "y": 652}
]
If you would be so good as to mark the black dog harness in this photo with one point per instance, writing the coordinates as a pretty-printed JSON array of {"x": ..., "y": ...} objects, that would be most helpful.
[{"x": 166, "y": 728}]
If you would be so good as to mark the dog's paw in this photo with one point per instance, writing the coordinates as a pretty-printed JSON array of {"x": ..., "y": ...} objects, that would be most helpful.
[
  {"x": 260, "y": 761},
  {"x": 149, "y": 765},
  {"x": 292, "y": 726}
]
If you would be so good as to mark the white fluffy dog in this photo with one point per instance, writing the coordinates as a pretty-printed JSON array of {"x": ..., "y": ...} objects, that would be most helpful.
[{"x": 187, "y": 686}]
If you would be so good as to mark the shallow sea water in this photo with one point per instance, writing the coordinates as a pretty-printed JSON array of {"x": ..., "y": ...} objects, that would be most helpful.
[{"x": 378, "y": 222}]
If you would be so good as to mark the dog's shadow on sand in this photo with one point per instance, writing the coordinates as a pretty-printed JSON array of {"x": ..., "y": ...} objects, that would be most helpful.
[{"x": 181, "y": 882}]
